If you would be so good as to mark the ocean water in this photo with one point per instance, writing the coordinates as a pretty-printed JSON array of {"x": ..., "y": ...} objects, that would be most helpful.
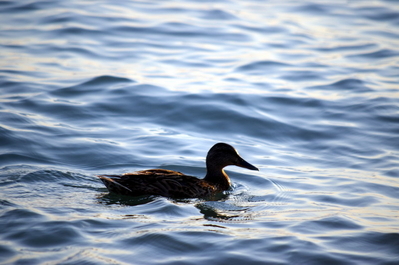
[{"x": 308, "y": 91}]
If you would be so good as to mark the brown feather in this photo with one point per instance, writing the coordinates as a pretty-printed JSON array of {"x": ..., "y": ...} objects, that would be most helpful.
[{"x": 169, "y": 183}]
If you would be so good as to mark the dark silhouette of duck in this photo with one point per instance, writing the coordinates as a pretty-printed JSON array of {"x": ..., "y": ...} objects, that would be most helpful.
[{"x": 173, "y": 184}]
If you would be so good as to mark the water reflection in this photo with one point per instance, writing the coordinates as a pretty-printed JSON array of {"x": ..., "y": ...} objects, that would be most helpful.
[{"x": 310, "y": 86}]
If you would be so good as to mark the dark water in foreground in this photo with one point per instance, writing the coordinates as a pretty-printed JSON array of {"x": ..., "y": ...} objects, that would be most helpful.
[{"x": 307, "y": 91}]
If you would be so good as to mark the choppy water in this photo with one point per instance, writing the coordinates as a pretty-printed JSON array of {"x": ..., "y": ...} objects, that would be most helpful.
[{"x": 308, "y": 91}]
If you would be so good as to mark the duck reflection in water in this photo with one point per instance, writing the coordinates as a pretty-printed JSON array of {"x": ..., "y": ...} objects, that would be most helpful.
[{"x": 173, "y": 184}]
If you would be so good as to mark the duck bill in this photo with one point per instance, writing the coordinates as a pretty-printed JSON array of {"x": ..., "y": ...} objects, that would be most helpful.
[{"x": 245, "y": 164}]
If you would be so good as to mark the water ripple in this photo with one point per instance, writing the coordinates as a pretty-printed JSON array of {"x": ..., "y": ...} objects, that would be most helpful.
[{"x": 305, "y": 91}]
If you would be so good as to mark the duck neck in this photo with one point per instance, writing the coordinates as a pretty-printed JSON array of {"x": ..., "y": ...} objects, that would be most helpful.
[{"x": 217, "y": 177}]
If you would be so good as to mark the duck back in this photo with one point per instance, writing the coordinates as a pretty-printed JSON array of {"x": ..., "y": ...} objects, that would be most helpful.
[{"x": 163, "y": 182}]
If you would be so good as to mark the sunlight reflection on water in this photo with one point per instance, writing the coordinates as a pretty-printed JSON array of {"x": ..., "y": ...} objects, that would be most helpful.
[{"x": 307, "y": 91}]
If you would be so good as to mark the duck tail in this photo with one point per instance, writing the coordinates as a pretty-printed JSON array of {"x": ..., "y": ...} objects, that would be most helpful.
[{"x": 111, "y": 184}]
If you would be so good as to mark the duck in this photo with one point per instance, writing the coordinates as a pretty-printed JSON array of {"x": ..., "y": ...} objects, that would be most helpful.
[{"x": 174, "y": 184}]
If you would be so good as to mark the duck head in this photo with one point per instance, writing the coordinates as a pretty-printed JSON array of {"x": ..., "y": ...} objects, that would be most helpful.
[{"x": 222, "y": 155}]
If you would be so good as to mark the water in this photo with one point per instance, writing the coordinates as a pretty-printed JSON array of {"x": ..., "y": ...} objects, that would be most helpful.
[{"x": 307, "y": 91}]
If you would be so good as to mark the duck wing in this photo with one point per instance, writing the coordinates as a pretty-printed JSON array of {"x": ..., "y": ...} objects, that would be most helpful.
[{"x": 163, "y": 182}]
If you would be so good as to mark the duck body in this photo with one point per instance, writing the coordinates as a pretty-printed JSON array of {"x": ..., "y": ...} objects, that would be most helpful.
[
  {"x": 174, "y": 184},
  {"x": 162, "y": 182}
]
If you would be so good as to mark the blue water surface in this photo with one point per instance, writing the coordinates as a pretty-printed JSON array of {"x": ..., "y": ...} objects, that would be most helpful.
[{"x": 308, "y": 91}]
